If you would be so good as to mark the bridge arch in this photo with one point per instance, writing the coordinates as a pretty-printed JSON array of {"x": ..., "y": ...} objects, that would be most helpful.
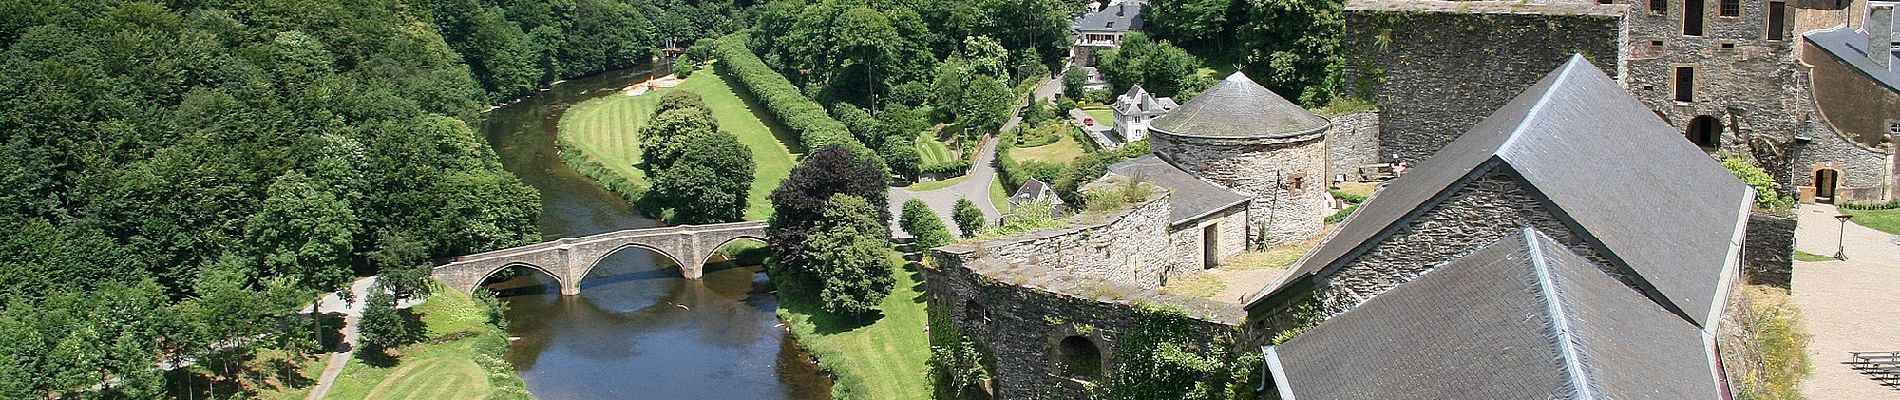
[
  {"x": 714, "y": 250},
  {"x": 569, "y": 260},
  {"x": 596, "y": 260},
  {"x": 559, "y": 281}
]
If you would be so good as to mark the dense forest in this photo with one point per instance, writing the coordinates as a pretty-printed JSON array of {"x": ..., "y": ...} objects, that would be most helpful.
[{"x": 176, "y": 175}]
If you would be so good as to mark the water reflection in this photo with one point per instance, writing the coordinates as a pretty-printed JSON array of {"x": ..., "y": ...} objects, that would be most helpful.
[{"x": 638, "y": 329}]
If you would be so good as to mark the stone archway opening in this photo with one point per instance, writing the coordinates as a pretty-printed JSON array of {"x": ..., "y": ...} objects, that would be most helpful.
[
  {"x": 1079, "y": 358},
  {"x": 520, "y": 279},
  {"x": 1704, "y": 131},
  {"x": 737, "y": 252},
  {"x": 975, "y": 312},
  {"x": 630, "y": 264},
  {"x": 1826, "y": 185}
]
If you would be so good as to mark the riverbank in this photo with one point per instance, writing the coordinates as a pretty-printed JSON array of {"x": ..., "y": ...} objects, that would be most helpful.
[
  {"x": 599, "y": 137},
  {"x": 881, "y": 360}
]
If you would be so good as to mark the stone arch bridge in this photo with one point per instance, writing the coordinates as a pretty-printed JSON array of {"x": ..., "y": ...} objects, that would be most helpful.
[{"x": 570, "y": 259}]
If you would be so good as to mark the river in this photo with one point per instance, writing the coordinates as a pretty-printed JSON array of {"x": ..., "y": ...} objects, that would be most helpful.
[{"x": 638, "y": 330}]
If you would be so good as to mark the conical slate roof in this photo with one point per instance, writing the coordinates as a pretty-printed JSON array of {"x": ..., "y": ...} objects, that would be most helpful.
[{"x": 1239, "y": 108}]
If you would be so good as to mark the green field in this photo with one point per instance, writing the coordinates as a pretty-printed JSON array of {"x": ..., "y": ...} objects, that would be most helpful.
[
  {"x": 605, "y": 129},
  {"x": 1882, "y": 220},
  {"x": 1063, "y": 151},
  {"x": 442, "y": 366},
  {"x": 931, "y": 144},
  {"x": 882, "y": 360},
  {"x": 1102, "y": 114},
  {"x": 999, "y": 196}
]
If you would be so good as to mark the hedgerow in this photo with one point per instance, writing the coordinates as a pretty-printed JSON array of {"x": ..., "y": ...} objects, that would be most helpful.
[{"x": 806, "y": 118}]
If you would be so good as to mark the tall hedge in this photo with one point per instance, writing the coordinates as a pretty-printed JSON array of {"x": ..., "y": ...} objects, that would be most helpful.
[{"x": 806, "y": 118}]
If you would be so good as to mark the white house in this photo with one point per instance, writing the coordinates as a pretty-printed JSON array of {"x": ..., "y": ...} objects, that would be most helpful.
[{"x": 1135, "y": 109}]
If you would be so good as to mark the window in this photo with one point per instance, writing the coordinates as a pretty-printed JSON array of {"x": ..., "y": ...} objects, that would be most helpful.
[
  {"x": 1655, "y": 43},
  {"x": 1777, "y": 20},
  {"x": 1685, "y": 84},
  {"x": 1605, "y": 2},
  {"x": 1659, "y": 7},
  {"x": 1692, "y": 17},
  {"x": 1893, "y": 127},
  {"x": 1726, "y": 46},
  {"x": 1731, "y": 8},
  {"x": 1296, "y": 183}
]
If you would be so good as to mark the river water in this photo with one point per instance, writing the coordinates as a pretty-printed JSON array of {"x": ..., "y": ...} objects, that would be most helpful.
[{"x": 638, "y": 330}]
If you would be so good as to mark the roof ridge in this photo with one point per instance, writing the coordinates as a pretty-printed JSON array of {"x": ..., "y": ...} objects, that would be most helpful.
[
  {"x": 1563, "y": 74},
  {"x": 1567, "y": 351}
]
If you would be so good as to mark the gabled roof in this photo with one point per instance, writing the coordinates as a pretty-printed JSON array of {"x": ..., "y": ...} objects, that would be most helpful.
[
  {"x": 1597, "y": 158},
  {"x": 1191, "y": 197},
  {"x": 1118, "y": 17},
  {"x": 1035, "y": 189},
  {"x": 1239, "y": 108},
  {"x": 1522, "y": 318},
  {"x": 1141, "y": 102}
]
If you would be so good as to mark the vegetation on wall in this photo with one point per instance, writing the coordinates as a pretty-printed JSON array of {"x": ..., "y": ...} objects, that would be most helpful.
[
  {"x": 1755, "y": 177},
  {"x": 1159, "y": 358}
]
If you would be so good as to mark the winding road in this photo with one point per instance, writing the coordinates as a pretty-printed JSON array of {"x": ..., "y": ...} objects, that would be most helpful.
[{"x": 977, "y": 186}]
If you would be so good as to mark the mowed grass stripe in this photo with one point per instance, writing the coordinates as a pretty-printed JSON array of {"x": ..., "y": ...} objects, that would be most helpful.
[{"x": 606, "y": 129}]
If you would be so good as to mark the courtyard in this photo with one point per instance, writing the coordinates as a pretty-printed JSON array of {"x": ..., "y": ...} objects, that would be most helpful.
[{"x": 1846, "y": 305}]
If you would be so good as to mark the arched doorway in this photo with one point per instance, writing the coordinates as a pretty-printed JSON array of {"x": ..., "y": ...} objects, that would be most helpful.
[
  {"x": 1826, "y": 181},
  {"x": 1079, "y": 358},
  {"x": 1704, "y": 131}
]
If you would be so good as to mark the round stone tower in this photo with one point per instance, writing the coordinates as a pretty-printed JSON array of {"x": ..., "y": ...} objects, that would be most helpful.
[{"x": 1243, "y": 136}]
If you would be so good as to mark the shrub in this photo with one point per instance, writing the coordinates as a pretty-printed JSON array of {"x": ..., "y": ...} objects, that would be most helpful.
[
  {"x": 1893, "y": 204},
  {"x": 1024, "y": 217},
  {"x": 969, "y": 218},
  {"x": 1129, "y": 191},
  {"x": 806, "y": 119},
  {"x": 382, "y": 325},
  {"x": 1342, "y": 214},
  {"x": 1765, "y": 196},
  {"x": 923, "y": 224},
  {"x": 1353, "y": 198},
  {"x": 683, "y": 67}
]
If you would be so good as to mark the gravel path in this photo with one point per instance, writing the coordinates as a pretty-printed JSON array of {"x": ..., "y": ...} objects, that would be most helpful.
[
  {"x": 977, "y": 187},
  {"x": 1847, "y": 305}
]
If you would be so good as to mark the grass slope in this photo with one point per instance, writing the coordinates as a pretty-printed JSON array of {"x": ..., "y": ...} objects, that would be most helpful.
[
  {"x": 1062, "y": 151},
  {"x": 882, "y": 360},
  {"x": 998, "y": 196},
  {"x": 1881, "y": 220},
  {"x": 1102, "y": 114},
  {"x": 605, "y": 129},
  {"x": 930, "y": 144},
  {"x": 443, "y": 366}
]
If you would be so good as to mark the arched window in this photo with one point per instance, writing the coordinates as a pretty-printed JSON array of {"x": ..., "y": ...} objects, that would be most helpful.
[
  {"x": 1705, "y": 131},
  {"x": 975, "y": 312},
  {"x": 1080, "y": 358}
]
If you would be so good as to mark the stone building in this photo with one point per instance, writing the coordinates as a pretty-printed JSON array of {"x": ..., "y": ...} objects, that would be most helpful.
[
  {"x": 1102, "y": 29},
  {"x": 1847, "y": 152},
  {"x": 1499, "y": 244},
  {"x": 1206, "y": 223},
  {"x": 1135, "y": 110},
  {"x": 1244, "y": 137},
  {"x": 1724, "y": 73}
]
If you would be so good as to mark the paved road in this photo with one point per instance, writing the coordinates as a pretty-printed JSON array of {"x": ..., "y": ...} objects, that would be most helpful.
[
  {"x": 977, "y": 187},
  {"x": 1847, "y": 305},
  {"x": 351, "y": 310}
]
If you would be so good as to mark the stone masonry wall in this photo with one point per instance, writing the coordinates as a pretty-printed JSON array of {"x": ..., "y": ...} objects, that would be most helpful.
[
  {"x": 1436, "y": 72},
  {"x": 1484, "y": 210},
  {"x": 1257, "y": 167},
  {"x": 1753, "y": 86},
  {"x": 1188, "y": 239},
  {"x": 1020, "y": 323},
  {"x": 1353, "y": 142},
  {"x": 1127, "y": 248},
  {"x": 1863, "y": 171},
  {"x": 1769, "y": 244},
  {"x": 1850, "y": 100}
]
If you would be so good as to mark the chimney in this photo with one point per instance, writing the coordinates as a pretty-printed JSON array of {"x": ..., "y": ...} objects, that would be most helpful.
[{"x": 1879, "y": 26}]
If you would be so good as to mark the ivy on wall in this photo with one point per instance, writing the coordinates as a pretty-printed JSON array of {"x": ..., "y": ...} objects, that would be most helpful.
[{"x": 1159, "y": 360}]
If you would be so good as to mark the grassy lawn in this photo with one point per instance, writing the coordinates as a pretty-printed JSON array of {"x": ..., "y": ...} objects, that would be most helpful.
[
  {"x": 1810, "y": 257},
  {"x": 881, "y": 360},
  {"x": 1063, "y": 151},
  {"x": 605, "y": 130},
  {"x": 934, "y": 144},
  {"x": 999, "y": 197},
  {"x": 442, "y": 366},
  {"x": 1102, "y": 114},
  {"x": 1882, "y": 220},
  {"x": 934, "y": 185}
]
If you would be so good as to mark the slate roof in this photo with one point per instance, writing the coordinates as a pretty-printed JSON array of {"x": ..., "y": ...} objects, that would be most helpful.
[
  {"x": 1035, "y": 189},
  {"x": 1140, "y": 102},
  {"x": 1522, "y": 318},
  {"x": 1118, "y": 17},
  {"x": 1644, "y": 196},
  {"x": 1192, "y": 198},
  {"x": 1239, "y": 108},
  {"x": 1850, "y": 46}
]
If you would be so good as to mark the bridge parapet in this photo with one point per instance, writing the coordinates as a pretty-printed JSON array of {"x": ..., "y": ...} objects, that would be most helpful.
[{"x": 570, "y": 259}]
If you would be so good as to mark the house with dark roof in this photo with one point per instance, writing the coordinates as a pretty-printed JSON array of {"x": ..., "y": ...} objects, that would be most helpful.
[
  {"x": 1522, "y": 317},
  {"x": 1037, "y": 190},
  {"x": 1637, "y": 242},
  {"x": 1207, "y": 223},
  {"x": 1103, "y": 29},
  {"x": 1135, "y": 110}
]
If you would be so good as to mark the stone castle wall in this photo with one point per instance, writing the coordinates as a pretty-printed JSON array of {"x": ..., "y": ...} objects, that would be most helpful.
[
  {"x": 1488, "y": 208},
  {"x": 1751, "y": 85},
  {"x": 1187, "y": 238},
  {"x": 1864, "y": 172},
  {"x": 1436, "y": 72},
  {"x": 1020, "y": 297},
  {"x": 1353, "y": 142},
  {"x": 1769, "y": 245},
  {"x": 1257, "y": 167}
]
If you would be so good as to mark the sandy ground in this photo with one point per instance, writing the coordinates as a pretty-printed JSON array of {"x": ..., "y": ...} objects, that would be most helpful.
[{"x": 1847, "y": 305}]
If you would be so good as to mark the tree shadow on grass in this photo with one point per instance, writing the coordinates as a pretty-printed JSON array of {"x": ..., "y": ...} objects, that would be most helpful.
[{"x": 824, "y": 323}]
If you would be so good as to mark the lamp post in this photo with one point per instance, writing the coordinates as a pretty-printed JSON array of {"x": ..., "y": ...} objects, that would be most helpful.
[{"x": 1840, "y": 251}]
